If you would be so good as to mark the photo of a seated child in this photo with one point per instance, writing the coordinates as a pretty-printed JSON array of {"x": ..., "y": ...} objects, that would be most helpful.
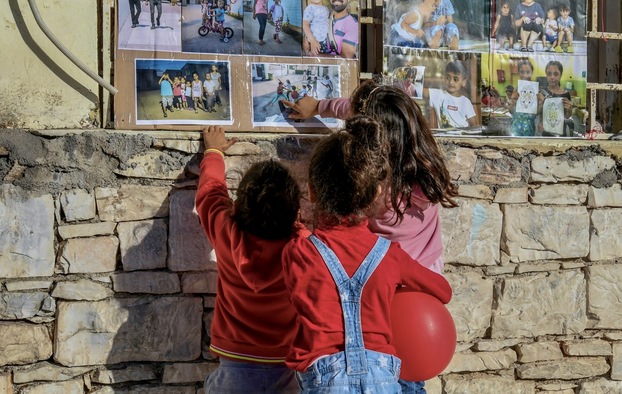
[
  {"x": 539, "y": 26},
  {"x": 438, "y": 24}
]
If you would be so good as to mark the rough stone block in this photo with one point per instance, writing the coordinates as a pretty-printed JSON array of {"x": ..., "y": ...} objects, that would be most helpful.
[
  {"x": 604, "y": 285},
  {"x": 456, "y": 384},
  {"x": 45, "y": 371},
  {"x": 89, "y": 255},
  {"x": 132, "y": 202},
  {"x": 600, "y": 386},
  {"x": 135, "y": 329},
  {"x": 189, "y": 249},
  {"x": 146, "y": 282},
  {"x": 201, "y": 282},
  {"x": 605, "y": 197},
  {"x": 68, "y": 387},
  {"x": 78, "y": 204},
  {"x": 187, "y": 372},
  {"x": 542, "y": 232},
  {"x": 476, "y": 240},
  {"x": 24, "y": 343},
  {"x": 554, "y": 169},
  {"x": 461, "y": 163},
  {"x": 128, "y": 373},
  {"x": 558, "y": 194},
  {"x": 471, "y": 304},
  {"x": 20, "y": 305},
  {"x": 569, "y": 368},
  {"x": 542, "y": 304},
  {"x": 81, "y": 290},
  {"x": 143, "y": 244},
  {"x": 605, "y": 240},
  {"x": 481, "y": 361},
  {"x": 27, "y": 228},
  {"x": 539, "y": 351},
  {"x": 587, "y": 348}
]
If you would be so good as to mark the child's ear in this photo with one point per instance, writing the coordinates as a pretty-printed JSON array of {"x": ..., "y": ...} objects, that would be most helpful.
[{"x": 378, "y": 192}]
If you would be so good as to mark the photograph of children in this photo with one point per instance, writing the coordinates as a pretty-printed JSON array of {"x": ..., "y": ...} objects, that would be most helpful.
[
  {"x": 273, "y": 82},
  {"x": 182, "y": 92},
  {"x": 273, "y": 27},
  {"x": 409, "y": 79},
  {"x": 438, "y": 24},
  {"x": 213, "y": 26},
  {"x": 450, "y": 95},
  {"x": 153, "y": 25},
  {"x": 539, "y": 26},
  {"x": 330, "y": 28},
  {"x": 547, "y": 77}
]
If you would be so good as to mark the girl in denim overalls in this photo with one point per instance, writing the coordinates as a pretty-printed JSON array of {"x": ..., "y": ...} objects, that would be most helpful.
[{"x": 343, "y": 277}]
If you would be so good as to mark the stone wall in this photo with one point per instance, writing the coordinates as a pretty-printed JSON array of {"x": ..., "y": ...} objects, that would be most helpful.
[{"x": 107, "y": 282}]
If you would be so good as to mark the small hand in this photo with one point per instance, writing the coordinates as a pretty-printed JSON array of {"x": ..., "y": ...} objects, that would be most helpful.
[
  {"x": 306, "y": 107},
  {"x": 214, "y": 137},
  {"x": 539, "y": 21}
]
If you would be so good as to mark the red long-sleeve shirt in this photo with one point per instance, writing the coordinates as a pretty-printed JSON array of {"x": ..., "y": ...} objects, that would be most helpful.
[
  {"x": 253, "y": 317},
  {"x": 314, "y": 293}
]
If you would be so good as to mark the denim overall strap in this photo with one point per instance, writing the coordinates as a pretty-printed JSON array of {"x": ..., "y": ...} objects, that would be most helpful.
[{"x": 350, "y": 291}]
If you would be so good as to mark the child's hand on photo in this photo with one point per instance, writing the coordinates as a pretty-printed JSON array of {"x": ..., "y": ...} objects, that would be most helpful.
[
  {"x": 214, "y": 137},
  {"x": 306, "y": 107}
]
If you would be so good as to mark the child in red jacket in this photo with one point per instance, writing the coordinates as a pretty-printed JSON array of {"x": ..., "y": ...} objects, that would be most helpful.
[
  {"x": 342, "y": 278},
  {"x": 254, "y": 322}
]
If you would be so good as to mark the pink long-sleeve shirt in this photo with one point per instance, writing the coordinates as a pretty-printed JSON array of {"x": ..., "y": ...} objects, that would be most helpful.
[{"x": 419, "y": 234}]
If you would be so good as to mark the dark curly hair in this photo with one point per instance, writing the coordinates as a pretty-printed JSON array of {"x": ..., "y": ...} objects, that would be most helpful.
[
  {"x": 415, "y": 157},
  {"x": 345, "y": 171},
  {"x": 268, "y": 201}
]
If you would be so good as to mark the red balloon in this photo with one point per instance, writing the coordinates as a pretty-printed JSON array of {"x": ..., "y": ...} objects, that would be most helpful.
[{"x": 424, "y": 335}]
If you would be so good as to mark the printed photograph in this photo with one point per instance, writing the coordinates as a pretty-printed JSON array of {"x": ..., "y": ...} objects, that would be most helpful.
[
  {"x": 455, "y": 25},
  {"x": 516, "y": 88},
  {"x": 183, "y": 92},
  {"x": 331, "y": 28},
  {"x": 273, "y": 82},
  {"x": 539, "y": 26},
  {"x": 450, "y": 95},
  {"x": 409, "y": 79},
  {"x": 213, "y": 26},
  {"x": 153, "y": 25},
  {"x": 272, "y": 27}
]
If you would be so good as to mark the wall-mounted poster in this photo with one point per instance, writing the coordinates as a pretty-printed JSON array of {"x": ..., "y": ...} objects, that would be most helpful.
[
  {"x": 438, "y": 24},
  {"x": 556, "y": 75},
  {"x": 213, "y": 26},
  {"x": 182, "y": 92},
  {"x": 273, "y": 82},
  {"x": 539, "y": 26},
  {"x": 330, "y": 28},
  {"x": 449, "y": 90},
  {"x": 150, "y": 26},
  {"x": 273, "y": 27}
]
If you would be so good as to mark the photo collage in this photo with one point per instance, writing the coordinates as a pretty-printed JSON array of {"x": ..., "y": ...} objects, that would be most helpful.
[
  {"x": 514, "y": 68},
  {"x": 199, "y": 62}
]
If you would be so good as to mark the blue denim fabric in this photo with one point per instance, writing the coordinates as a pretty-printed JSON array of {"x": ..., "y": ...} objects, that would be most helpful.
[
  {"x": 412, "y": 387},
  {"x": 237, "y": 377},
  {"x": 450, "y": 31},
  {"x": 328, "y": 375},
  {"x": 355, "y": 370}
]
